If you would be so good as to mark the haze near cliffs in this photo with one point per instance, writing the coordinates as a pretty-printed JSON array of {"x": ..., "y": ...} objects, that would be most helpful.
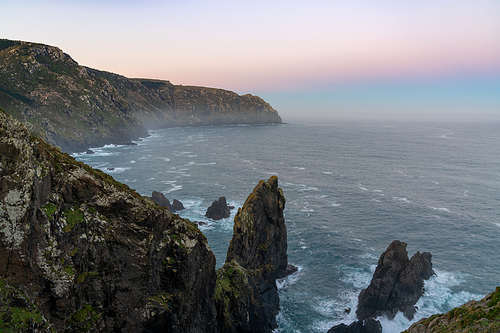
[{"x": 77, "y": 107}]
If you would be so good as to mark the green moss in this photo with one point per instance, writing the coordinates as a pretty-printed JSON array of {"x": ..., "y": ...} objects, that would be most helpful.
[
  {"x": 161, "y": 300},
  {"x": 84, "y": 319},
  {"x": 69, "y": 270},
  {"x": 16, "y": 318},
  {"x": 73, "y": 252},
  {"x": 495, "y": 298},
  {"x": 49, "y": 209},
  {"x": 73, "y": 217}
]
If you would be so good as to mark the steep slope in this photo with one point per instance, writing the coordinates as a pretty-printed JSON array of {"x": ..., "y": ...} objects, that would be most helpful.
[
  {"x": 474, "y": 316},
  {"x": 77, "y": 107},
  {"x": 91, "y": 253}
]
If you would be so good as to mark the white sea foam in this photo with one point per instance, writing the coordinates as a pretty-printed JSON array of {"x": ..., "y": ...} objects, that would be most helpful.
[
  {"x": 328, "y": 173},
  {"x": 115, "y": 170},
  {"x": 132, "y": 162},
  {"x": 174, "y": 188},
  {"x": 285, "y": 282},
  {"x": 442, "y": 209},
  {"x": 378, "y": 191},
  {"x": 401, "y": 199}
]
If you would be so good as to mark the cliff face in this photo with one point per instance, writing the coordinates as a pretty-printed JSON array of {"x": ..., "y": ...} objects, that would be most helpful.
[
  {"x": 246, "y": 293},
  {"x": 77, "y": 107},
  {"x": 90, "y": 253}
]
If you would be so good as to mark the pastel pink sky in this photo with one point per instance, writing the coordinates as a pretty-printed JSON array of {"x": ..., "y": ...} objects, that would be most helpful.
[{"x": 268, "y": 46}]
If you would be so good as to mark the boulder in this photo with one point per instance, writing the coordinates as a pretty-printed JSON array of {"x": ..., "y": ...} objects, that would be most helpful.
[
  {"x": 219, "y": 209},
  {"x": 397, "y": 283},
  {"x": 90, "y": 152},
  {"x": 160, "y": 199},
  {"x": 176, "y": 206}
]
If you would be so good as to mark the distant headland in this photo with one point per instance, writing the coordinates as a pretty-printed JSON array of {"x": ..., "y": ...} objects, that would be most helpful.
[{"x": 77, "y": 107}]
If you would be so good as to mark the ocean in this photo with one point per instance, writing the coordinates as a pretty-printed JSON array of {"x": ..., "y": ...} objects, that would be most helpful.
[{"x": 351, "y": 189}]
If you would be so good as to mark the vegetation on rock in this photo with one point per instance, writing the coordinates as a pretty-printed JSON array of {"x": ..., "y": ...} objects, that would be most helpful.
[
  {"x": 474, "y": 316},
  {"x": 77, "y": 107}
]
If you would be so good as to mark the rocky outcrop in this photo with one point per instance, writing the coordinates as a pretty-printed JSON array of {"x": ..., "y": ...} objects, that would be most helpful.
[
  {"x": 80, "y": 252},
  {"x": 176, "y": 206},
  {"x": 219, "y": 209},
  {"x": 246, "y": 293},
  {"x": 474, "y": 316},
  {"x": 90, "y": 254},
  {"x": 367, "y": 326},
  {"x": 159, "y": 198},
  {"x": 397, "y": 283},
  {"x": 77, "y": 107}
]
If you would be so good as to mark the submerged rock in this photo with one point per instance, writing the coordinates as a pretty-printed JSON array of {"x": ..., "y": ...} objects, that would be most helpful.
[
  {"x": 219, "y": 209},
  {"x": 397, "y": 283}
]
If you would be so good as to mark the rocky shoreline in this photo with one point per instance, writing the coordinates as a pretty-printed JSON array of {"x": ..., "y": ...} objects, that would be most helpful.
[{"x": 77, "y": 107}]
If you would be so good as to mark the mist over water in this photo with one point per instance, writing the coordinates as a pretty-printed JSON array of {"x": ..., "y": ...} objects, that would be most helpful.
[{"x": 351, "y": 189}]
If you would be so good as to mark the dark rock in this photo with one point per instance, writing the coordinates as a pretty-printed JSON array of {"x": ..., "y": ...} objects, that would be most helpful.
[
  {"x": 219, "y": 209},
  {"x": 366, "y": 326},
  {"x": 176, "y": 206},
  {"x": 92, "y": 254},
  {"x": 90, "y": 152},
  {"x": 200, "y": 223},
  {"x": 159, "y": 198},
  {"x": 397, "y": 283},
  {"x": 110, "y": 169},
  {"x": 246, "y": 293}
]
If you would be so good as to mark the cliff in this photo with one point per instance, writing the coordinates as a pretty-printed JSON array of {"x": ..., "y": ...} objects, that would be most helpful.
[
  {"x": 76, "y": 107},
  {"x": 80, "y": 252},
  {"x": 90, "y": 253},
  {"x": 474, "y": 316}
]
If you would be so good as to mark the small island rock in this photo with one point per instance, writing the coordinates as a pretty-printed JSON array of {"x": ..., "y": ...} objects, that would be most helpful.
[
  {"x": 219, "y": 209},
  {"x": 397, "y": 283}
]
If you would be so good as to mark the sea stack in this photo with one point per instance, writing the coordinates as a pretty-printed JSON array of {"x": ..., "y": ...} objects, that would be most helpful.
[
  {"x": 397, "y": 283},
  {"x": 219, "y": 209},
  {"x": 246, "y": 293}
]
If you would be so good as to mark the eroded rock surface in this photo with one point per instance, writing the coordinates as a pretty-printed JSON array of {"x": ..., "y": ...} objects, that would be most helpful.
[
  {"x": 397, "y": 283},
  {"x": 90, "y": 253},
  {"x": 219, "y": 209},
  {"x": 246, "y": 293},
  {"x": 160, "y": 199}
]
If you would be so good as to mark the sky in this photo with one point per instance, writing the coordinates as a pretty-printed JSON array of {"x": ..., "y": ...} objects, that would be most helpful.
[{"x": 311, "y": 60}]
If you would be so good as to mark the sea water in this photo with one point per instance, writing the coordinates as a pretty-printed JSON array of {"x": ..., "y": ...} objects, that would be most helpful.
[{"x": 351, "y": 189}]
